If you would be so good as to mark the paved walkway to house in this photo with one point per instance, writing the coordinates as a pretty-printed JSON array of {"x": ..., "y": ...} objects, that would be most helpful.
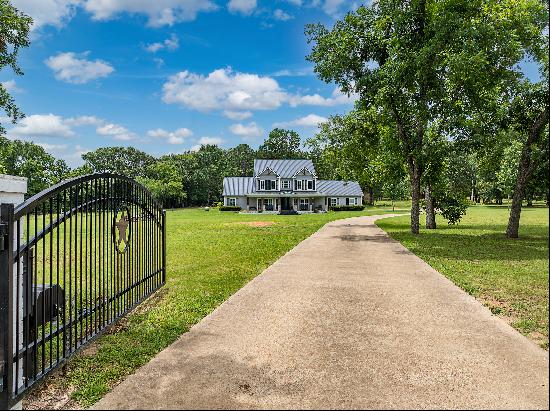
[{"x": 347, "y": 319}]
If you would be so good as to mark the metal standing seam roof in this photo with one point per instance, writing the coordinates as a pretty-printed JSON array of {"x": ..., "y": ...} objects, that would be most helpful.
[
  {"x": 242, "y": 186},
  {"x": 283, "y": 168},
  {"x": 238, "y": 186},
  {"x": 339, "y": 188}
]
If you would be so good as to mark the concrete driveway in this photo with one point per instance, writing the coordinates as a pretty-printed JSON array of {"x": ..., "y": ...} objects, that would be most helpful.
[{"x": 347, "y": 319}]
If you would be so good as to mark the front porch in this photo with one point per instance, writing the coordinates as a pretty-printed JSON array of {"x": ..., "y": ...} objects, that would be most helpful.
[{"x": 290, "y": 203}]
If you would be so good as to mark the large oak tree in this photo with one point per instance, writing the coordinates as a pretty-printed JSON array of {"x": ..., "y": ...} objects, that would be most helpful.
[{"x": 423, "y": 61}]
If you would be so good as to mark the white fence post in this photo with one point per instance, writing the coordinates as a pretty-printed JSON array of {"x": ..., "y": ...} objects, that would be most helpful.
[{"x": 12, "y": 191}]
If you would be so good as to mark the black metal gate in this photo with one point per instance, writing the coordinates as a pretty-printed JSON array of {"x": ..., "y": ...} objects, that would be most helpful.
[{"x": 73, "y": 260}]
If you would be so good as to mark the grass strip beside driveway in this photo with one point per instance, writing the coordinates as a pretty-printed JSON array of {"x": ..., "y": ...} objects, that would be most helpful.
[{"x": 509, "y": 276}]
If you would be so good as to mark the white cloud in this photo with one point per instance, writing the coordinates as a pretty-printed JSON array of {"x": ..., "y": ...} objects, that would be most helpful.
[
  {"x": 171, "y": 44},
  {"x": 311, "y": 120},
  {"x": 42, "y": 125},
  {"x": 48, "y": 12},
  {"x": 242, "y": 6},
  {"x": 159, "y": 12},
  {"x": 116, "y": 131},
  {"x": 72, "y": 68},
  {"x": 11, "y": 86},
  {"x": 247, "y": 132},
  {"x": 223, "y": 89},
  {"x": 172, "y": 137},
  {"x": 279, "y": 14},
  {"x": 334, "y": 7},
  {"x": 217, "y": 141},
  {"x": 337, "y": 98},
  {"x": 84, "y": 121},
  {"x": 237, "y": 94},
  {"x": 237, "y": 115}
]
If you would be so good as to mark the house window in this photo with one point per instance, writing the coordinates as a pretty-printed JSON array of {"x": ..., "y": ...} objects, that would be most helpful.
[
  {"x": 268, "y": 203},
  {"x": 286, "y": 185},
  {"x": 310, "y": 184},
  {"x": 262, "y": 184},
  {"x": 298, "y": 184},
  {"x": 232, "y": 202},
  {"x": 352, "y": 201},
  {"x": 333, "y": 201},
  {"x": 304, "y": 204}
]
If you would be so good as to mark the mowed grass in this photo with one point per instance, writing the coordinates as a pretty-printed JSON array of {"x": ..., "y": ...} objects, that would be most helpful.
[
  {"x": 510, "y": 276},
  {"x": 210, "y": 255}
]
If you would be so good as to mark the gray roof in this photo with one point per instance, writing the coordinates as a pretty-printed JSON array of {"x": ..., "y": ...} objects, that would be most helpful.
[
  {"x": 238, "y": 186},
  {"x": 241, "y": 186},
  {"x": 339, "y": 188},
  {"x": 283, "y": 168}
]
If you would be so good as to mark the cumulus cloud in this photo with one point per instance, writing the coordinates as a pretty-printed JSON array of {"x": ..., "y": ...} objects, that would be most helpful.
[
  {"x": 336, "y": 7},
  {"x": 247, "y": 132},
  {"x": 242, "y": 6},
  {"x": 11, "y": 86},
  {"x": 337, "y": 98},
  {"x": 159, "y": 12},
  {"x": 48, "y": 12},
  {"x": 172, "y": 137},
  {"x": 311, "y": 120},
  {"x": 115, "y": 131},
  {"x": 234, "y": 92},
  {"x": 42, "y": 125},
  {"x": 216, "y": 141},
  {"x": 84, "y": 121},
  {"x": 223, "y": 89},
  {"x": 171, "y": 44},
  {"x": 76, "y": 69}
]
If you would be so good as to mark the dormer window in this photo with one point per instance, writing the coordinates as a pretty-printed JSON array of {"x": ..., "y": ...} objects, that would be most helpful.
[{"x": 286, "y": 185}]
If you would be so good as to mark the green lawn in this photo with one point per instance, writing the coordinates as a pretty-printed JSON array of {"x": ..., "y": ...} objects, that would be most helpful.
[
  {"x": 210, "y": 256},
  {"x": 508, "y": 276}
]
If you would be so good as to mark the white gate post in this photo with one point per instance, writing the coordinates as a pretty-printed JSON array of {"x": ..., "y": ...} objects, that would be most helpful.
[{"x": 12, "y": 191}]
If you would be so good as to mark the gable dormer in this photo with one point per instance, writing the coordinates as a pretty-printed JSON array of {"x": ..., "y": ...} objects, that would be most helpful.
[
  {"x": 267, "y": 180},
  {"x": 304, "y": 180}
]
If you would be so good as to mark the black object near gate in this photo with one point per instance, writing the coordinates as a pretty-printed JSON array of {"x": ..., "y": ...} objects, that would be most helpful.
[{"x": 73, "y": 260}]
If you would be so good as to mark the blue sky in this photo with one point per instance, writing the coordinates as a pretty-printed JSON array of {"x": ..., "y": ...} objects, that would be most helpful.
[{"x": 165, "y": 76}]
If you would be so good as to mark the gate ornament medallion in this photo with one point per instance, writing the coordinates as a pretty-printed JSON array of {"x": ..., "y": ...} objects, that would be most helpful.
[{"x": 121, "y": 229}]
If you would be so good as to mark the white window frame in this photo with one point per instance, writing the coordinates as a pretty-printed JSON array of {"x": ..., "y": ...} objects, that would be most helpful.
[
  {"x": 286, "y": 184},
  {"x": 299, "y": 185},
  {"x": 262, "y": 184},
  {"x": 353, "y": 201},
  {"x": 312, "y": 186},
  {"x": 232, "y": 200},
  {"x": 334, "y": 201}
]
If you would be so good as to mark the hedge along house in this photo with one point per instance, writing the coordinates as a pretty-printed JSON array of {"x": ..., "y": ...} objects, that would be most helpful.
[{"x": 286, "y": 186}]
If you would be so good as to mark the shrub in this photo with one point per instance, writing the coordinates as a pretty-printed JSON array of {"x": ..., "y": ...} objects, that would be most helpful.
[
  {"x": 230, "y": 208},
  {"x": 347, "y": 208},
  {"x": 218, "y": 204},
  {"x": 452, "y": 209}
]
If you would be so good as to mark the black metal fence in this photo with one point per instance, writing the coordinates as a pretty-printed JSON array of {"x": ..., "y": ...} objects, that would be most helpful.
[{"x": 73, "y": 260}]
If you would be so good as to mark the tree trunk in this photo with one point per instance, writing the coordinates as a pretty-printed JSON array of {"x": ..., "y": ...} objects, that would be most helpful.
[
  {"x": 369, "y": 196},
  {"x": 430, "y": 209},
  {"x": 525, "y": 169},
  {"x": 414, "y": 173}
]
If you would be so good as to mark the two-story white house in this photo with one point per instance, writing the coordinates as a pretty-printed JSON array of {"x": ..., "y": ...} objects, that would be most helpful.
[{"x": 288, "y": 185}]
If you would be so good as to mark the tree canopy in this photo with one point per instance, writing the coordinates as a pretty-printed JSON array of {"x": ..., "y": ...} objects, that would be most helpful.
[
  {"x": 425, "y": 64},
  {"x": 14, "y": 34}
]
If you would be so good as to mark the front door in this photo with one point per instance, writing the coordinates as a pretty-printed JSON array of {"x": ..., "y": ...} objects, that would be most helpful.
[{"x": 285, "y": 203}]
